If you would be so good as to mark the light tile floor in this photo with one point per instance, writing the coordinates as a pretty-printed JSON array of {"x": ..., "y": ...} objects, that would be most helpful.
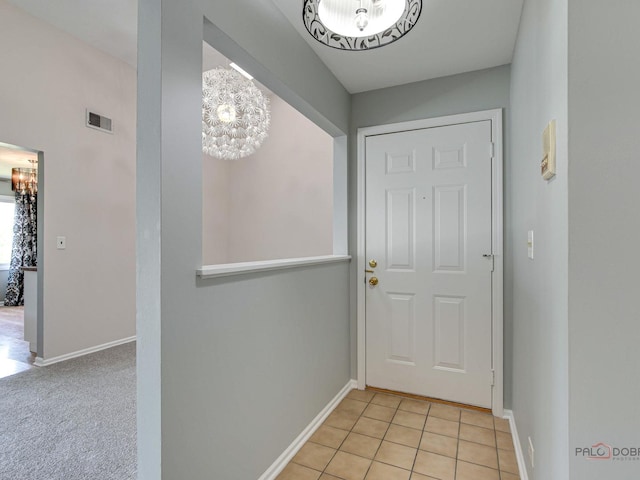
[
  {"x": 374, "y": 436},
  {"x": 15, "y": 356}
]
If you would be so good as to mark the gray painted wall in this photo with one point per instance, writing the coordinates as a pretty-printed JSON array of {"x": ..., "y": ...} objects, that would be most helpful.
[
  {"x": 604, "y": 232},
  {"x": 539, "y": 286},
  {"x": 229, "y": 371},
  {"x": 467, "y": 92}
]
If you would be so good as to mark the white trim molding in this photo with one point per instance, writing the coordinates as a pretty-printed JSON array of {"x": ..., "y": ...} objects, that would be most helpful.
[
  {"x": 274, "y": 470},
  {"x": 227, "y": 269},
  {"x": 41, "y": 362},
  {"x": 495, "y": 117},
  {"x": 522, "y": 466}
]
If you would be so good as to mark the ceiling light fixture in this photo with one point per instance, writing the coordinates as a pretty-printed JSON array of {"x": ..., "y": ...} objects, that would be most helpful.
[
  {"x": 359, "y": 24},
  {"x": 235, "y": 115},
  {"x": 25, "y": 180}
]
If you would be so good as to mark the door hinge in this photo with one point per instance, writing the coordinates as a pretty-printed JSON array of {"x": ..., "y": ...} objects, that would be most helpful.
[
  {"x": 492, "y": 258},
  {"x": 493, "y": 377},
  {"x": 492, "y": 150}
]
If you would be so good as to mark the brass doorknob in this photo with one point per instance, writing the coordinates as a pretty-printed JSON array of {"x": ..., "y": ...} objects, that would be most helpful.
[
  {"x": 373, "y": 281},
  {"x": 373, "y": 263}
]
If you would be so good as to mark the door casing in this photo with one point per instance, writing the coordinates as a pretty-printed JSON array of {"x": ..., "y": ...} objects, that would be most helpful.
[{"x": 495, "y": 117}]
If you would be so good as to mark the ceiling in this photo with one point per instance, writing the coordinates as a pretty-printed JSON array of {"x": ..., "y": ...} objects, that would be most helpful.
[{"x": 452, "y": 36}]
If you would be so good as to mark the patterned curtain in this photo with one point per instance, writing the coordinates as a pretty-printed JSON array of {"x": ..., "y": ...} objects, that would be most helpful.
[{"x": 23, "y": 252}]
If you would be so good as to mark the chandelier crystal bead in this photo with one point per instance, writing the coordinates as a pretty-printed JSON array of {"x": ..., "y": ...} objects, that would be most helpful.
[{"x": 235, "y": 115}]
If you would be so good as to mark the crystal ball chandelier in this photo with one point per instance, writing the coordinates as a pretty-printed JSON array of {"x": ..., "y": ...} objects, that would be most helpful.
[
  {"x": 235, "y": 115},
  {"x": 359, "y": 24}
]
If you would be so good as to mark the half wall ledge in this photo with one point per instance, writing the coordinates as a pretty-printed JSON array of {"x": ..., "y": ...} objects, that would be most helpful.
[{"x": 228, "y": 269}]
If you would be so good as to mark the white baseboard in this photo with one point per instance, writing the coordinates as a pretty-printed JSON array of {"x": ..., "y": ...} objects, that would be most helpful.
[
  {"x": 41, "y": 362},
  {"x": 522, "y": 466},
  {"x": 274, "y": 470}
]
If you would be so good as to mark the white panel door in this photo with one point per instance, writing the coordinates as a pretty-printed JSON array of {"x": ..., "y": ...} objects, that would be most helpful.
[{"x": 428, "y": 229}]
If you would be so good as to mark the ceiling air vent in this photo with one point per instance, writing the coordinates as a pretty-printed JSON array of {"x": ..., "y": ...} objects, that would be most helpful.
[{"x": 99, "y": 122}]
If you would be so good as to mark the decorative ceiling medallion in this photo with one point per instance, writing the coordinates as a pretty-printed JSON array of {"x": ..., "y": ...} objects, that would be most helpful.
[{"x": 366, "y": 41}]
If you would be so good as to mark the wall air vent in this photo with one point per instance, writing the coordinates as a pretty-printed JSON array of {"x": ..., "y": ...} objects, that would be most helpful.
[{"x": 99, "y": 122}]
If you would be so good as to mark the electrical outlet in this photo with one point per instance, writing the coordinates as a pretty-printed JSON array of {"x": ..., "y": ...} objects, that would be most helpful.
[{"x": 531, "y": 453}]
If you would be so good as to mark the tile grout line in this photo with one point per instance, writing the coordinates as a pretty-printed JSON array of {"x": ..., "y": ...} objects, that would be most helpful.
[
  {"x": 382, "y": 440},
  {"x": 413, "y": 466},
  {"x": 455, "y": 470},
  {"x": 495, "y": 435}
]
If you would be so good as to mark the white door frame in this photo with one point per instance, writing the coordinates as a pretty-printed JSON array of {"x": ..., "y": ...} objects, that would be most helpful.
[{"x": 495, "y": 116}]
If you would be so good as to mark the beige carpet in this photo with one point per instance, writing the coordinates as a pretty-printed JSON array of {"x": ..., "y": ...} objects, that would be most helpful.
[{"x": 74, "y": 420}]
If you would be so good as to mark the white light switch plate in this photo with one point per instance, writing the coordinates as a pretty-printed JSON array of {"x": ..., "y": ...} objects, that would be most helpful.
[
  {"x": 61, "y": 243},
  {"x": 530, "y": 244}
]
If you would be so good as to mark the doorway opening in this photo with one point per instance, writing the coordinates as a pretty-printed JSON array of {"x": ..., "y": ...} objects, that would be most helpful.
[{"x": 18, "y": 258}]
